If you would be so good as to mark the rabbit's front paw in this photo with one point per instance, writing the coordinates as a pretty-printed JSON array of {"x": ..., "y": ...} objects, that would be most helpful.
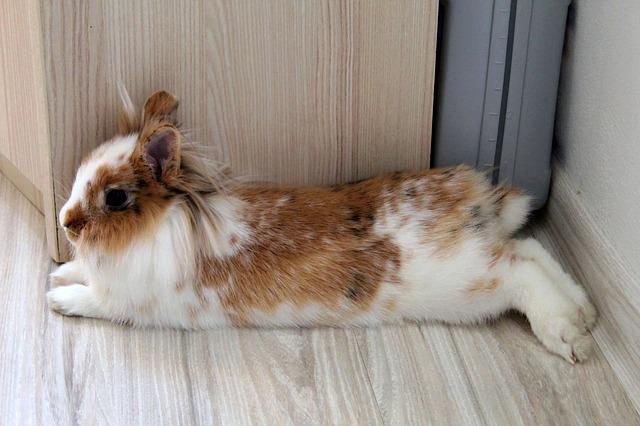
[
  {"x": 74, "y": 300},
  {"x": 69, "y": 273}
]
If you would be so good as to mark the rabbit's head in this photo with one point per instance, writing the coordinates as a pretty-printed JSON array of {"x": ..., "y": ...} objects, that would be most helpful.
[{"x": 124, "y": 187}]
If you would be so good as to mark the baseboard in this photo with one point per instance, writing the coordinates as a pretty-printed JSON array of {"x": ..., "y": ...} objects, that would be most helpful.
[
  {"x": 20, "y": 181},
  {"x": 594, "y": 262}
]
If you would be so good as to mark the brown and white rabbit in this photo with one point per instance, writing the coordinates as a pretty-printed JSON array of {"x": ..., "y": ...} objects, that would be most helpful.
[{"x": 160, "y": 239}]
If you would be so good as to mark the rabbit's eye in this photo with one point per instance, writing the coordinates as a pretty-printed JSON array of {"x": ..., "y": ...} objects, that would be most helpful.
[{"x": 116, "y": 199}]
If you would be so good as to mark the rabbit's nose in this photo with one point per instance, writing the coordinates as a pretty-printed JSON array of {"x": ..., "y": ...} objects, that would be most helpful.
[
  {"x": 74, "y": 225},
  {"x": 74, "y": 219}
]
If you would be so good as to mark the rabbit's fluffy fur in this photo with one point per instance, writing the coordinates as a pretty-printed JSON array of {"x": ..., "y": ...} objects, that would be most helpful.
[{"x": 190, "y": 249}]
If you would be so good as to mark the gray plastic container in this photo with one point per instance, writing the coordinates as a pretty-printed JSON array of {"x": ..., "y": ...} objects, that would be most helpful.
[{"x": 497, "y": 82}]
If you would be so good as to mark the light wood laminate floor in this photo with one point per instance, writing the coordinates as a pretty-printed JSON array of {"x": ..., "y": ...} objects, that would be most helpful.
[{"x": 58, "y": 370}]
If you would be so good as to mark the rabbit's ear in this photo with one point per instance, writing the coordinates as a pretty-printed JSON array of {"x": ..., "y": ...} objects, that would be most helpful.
[
  {"x": 160, "y": 107},
  {"x": 160, "y": 150},
  {"x": 128, "y": 121}
]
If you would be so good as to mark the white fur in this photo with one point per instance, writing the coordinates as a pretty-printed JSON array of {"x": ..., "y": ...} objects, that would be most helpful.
[
  {"x": 513, "y": 215},
  {"x": 151, "y": 282},
  {"x": 70, "y": 273},
  {"x": 127, "y": 105}
]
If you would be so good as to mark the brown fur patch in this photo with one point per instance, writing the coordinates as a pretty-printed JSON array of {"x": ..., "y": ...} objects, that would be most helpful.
[
  {"x": 504, "y": 193},
  {"x": 390, "y": 306},
  {"x": 454, "y": 196},
  {"x": 497, "y": 252},
  {"x": 194, "y": 313},
  {"x": 483, "y": 286},
  {"x": 270, "y": 278},
  {"x": 315, "y": 248},
  {"x": 501, "y": 250}
]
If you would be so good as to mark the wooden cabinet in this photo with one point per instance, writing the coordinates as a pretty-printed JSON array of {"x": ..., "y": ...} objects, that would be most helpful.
[
  {"x": 292, "y": 91},
  {"x": 24, "y": 122}
]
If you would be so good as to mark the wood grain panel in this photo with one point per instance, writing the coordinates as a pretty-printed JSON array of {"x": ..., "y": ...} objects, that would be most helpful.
[
  {"x": 20, "y": 123},
  {"x": 24, "y": 138},
  {"x": 517, "y": 381},
  {"x": 101, "y": 373},
  {"x": 418, "y": 378},
  {"x": 279, "y": 377},
  {"x": 321, "y": 91},
  {"x": 300, "y": 92},
  {"x": 23, "y": 274},
  {"x": 497, "y": 373}
]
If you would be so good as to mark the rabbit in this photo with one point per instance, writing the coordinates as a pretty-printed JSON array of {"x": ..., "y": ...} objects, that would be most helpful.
[{"x": 160, "y": 238}]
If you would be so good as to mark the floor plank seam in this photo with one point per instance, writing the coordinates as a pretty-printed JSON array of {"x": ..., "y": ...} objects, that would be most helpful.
[
  {"x": 187, "y": 374},
  {"x": 367, "y": 374},
  {"x": 460, "y": 361}
]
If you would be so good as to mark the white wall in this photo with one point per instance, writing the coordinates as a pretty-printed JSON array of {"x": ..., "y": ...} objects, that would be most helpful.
[
  {"x": 598, "y": 120},
  {"x": 594, "y": 208}
]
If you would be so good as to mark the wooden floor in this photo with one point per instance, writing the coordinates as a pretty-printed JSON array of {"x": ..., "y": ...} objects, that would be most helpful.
[{"x": 57, "y": 370}]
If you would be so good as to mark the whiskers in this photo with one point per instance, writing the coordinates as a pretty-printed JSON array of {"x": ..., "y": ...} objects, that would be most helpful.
[{"x": 72, "y": 233}]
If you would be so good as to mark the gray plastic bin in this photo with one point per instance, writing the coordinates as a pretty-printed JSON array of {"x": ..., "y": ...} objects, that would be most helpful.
[{"x": 498, "y": 70}]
